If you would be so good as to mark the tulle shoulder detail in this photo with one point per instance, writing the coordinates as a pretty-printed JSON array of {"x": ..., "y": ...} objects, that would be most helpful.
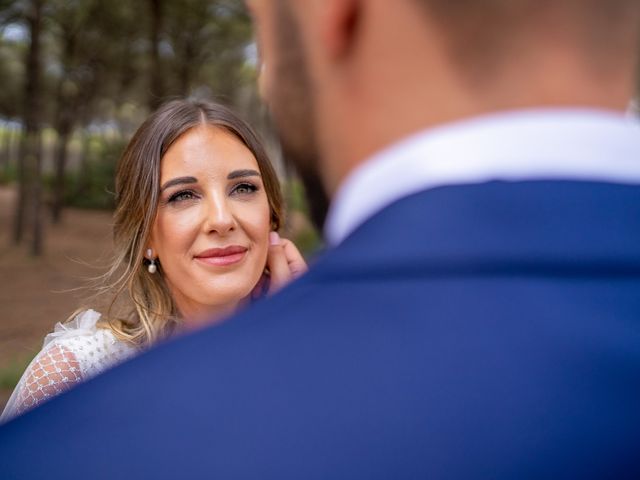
[
  {"x": 83, "y": 324},
  {"x": 75, "y": 351}
]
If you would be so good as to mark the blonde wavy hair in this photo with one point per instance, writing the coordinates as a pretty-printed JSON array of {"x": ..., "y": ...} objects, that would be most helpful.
[{"x": 148, "y": 312}]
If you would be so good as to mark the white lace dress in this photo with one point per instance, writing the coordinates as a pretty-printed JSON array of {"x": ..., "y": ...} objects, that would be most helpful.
[{"x": 72, "y": 353}]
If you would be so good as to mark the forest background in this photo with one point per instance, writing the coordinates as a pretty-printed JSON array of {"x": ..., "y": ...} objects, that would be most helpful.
[{"x": 78, "y": 77}]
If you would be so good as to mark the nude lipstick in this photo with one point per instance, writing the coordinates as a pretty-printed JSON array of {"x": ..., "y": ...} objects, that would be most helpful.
[{"x": 222, "y": 257}]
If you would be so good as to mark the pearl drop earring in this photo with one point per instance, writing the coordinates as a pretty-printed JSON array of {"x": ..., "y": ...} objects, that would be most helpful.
[{"x": 152, "y": 266}]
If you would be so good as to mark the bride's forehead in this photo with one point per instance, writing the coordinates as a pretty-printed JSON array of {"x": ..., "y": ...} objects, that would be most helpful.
[
  {"x": 207, "y": 138},
  {"x": 208, "y": 149}
]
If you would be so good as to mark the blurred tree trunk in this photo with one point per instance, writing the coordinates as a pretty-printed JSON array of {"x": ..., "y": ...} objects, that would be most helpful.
[
  {"x": 4, "y": 151},
  {"x": 36, "y": 246},
  {"x": 33, "y": 123},
  {"x": 65, "y": 101},
  {"x": 62, "y": 150},
  {"x": 20, "y": 212},
  {"x": 156, "y": 78},
  {"x": 85, "y": 153},
  {"x": 30, "y": 161},
  {"x": 187, "y": 60},
  {"x": 13, "y": 143}
]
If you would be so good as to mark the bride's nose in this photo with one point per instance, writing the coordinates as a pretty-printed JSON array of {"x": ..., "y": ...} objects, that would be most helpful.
[{"x": 218, "y": 215}]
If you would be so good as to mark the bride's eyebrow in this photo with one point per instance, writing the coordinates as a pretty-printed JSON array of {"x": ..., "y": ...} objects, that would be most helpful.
[
  {"x": 242, "y": 173},
  {"x": 179, "y": 181}
]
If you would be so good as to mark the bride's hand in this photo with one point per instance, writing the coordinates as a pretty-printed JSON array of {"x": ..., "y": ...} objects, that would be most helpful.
[{"x": 285, "y": 262}]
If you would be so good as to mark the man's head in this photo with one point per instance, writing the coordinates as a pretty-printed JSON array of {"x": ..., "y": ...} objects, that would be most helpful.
[
  {"x": 286, "y": 84},
  {"x": 481, "y": 32},
  {"x": 345, "y": 78}
]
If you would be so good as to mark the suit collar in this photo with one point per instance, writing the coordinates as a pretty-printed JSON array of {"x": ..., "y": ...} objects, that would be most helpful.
[
  {"x": 546, "y": 226},
  {"x": 513, "y": 146}
]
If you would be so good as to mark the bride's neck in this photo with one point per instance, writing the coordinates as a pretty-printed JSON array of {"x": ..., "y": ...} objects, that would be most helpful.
[{"x": 198, "y": 316}]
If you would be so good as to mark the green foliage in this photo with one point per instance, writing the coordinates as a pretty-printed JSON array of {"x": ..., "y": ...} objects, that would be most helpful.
[
  {"x": 93, "y": 189},
  {"x": 202, "y": 32},
  {"x": 8, "y": 174},
  {"x": 296, "y": 200},
  {"x": 10, "y": 374},
  {"x": 96, "y": 55},
  {"x": 308, "y": 240},
  {"x": 11, "y": 72},
  {"x": 304, "y": 235},
  {"x": 93, "y": 186}
]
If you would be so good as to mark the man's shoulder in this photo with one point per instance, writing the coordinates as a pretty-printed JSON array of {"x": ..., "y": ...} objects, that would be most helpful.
[{"x": 421, "y": 324}]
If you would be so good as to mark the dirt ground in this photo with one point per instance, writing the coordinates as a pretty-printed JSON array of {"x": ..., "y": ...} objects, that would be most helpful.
[{"x": 35, "y": 291}]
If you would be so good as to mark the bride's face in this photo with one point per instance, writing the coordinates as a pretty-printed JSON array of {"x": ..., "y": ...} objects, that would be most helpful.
[{"x": 211, "y": 232}]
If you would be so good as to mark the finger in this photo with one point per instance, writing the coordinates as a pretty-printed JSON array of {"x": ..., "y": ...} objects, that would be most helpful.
[
  {"x": 277, "y": 262},
  {"x": 295, "y": 260}
]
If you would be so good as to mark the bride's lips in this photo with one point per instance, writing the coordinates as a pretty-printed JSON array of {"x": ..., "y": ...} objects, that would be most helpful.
[{"x": 222, "y": 256}]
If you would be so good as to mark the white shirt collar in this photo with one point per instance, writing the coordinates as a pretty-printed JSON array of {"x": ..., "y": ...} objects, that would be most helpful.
[{"x": 513, "y": 146}]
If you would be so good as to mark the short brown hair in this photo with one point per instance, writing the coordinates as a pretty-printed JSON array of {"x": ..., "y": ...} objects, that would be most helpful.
[{"x": 482, "y": 32}]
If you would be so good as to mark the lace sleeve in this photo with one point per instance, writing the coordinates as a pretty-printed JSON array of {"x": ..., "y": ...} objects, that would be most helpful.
[{"x": 54, "y": 370}]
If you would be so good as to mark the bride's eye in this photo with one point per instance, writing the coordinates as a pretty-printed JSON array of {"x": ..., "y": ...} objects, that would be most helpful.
[
  {"x": 181, "y": 196},
  {"x": 244, "y": 189}
]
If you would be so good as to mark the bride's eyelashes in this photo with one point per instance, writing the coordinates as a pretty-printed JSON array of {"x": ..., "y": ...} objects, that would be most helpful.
[
  {"x": 181, "y": 196},
  {"x": 243, "y": 189}
]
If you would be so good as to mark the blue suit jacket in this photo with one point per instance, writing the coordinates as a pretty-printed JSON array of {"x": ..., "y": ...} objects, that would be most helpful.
[{"x": 483, "y": 331}]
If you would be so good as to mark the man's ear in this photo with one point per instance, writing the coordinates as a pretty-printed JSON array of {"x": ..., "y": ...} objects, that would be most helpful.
[{"x": 339, "y": 27}]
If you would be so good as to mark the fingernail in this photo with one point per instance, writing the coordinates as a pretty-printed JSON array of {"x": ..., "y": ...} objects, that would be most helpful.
[{"x": 274, "y": 238}]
